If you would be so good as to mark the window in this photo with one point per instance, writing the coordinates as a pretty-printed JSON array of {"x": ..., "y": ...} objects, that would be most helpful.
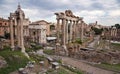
[{"x": 34, "y": 33}]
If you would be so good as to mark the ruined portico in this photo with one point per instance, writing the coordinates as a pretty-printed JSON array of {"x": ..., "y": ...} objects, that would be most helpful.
[
  {"x": 70, "y": 27},
  {"x": 17, "y": 18}
]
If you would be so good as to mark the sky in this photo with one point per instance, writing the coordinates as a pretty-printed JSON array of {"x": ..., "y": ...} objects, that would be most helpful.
[{"x": 106, "y": 12}]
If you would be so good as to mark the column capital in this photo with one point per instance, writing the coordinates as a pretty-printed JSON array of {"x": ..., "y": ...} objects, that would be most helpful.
[
  {"x": 82, "y": 21},
  {"x": 63, "y": 19},
  {"x": 70, "y": 20},
  {"x": 74, "y": 21},
  {"x": 57, "y": 18},
  {"x": 67, "y": 20}
]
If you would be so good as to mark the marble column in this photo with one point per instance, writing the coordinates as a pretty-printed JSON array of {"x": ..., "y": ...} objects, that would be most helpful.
[
  {"x": 21, "y": 35},
  {"x": 58, "y": 29},
  {"x": 15, "y": 32},
  {"x": 82, "y": 24},
  {"x": 66, "y": 31},
  {"x": 39, "y": 36},
  {"x": 18, "y": 33},
  {"x": 73, "y": 30},
  {"x": 63, "y": 31},
  {"x": 11, "y": 33},
  {"x": 115, "y": 32},
  {"x": 76, "y": 29},
  {"x": 70, "y": 31}
]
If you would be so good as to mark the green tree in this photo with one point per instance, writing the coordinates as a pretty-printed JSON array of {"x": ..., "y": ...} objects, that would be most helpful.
[
  {"x": 78, "y": 40},
  {"x": 117, "y": 26},
  {"x": 97, "y": 31},
  {"x": 7, "y": 35},
  {"x": 52, "y": 27}
]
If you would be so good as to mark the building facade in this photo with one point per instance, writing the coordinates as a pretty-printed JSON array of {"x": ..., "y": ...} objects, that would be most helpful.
[
  {"x": 4, "y": 26},
  {"x": 38, "y": 31}
]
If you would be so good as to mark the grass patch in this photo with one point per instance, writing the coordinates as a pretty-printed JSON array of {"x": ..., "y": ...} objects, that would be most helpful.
[
  {"x": 33, "y": 48},
  {"x": 113, "y": 67},
  {"x": 49, "y": 52},
  {"x": 36, "y": 57},
  {"x": 79, "y": 41},
  {"x": 15, "y": 60}
]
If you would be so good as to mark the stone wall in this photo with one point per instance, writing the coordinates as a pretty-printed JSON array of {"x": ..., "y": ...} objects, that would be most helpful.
[{"x": 98, "y": 56}]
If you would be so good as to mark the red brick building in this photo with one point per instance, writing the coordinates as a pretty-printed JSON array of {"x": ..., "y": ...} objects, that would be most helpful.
[{"x": 4, "y": 26}]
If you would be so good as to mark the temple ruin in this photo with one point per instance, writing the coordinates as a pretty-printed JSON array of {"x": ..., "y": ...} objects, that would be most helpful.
[{"x": 70, "y": 26}]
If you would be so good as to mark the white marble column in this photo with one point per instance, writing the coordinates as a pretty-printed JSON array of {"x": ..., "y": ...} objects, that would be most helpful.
[
  {"x": 70, "y": 31},
  {"x": 39, "y": 36},
  {"x": 58, "y": 30},
  {"x": 11, "y": 33},
  {"x": 82, "y": 24},
  {"x": 73, "y": 30},
  {"x": 21, "y": 35},
  {"x": 76, "y": 29},
  {"x": 18, "y": 33},
  {"x": 115, "y": 32},
  {"x": 66, "y": 31},
  {"x": 15, "y": 24},
  {"x": 63, "y": 31}
]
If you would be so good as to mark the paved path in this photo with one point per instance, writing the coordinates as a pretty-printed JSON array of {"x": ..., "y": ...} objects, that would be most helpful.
[
  {"x": 93, "y": 43},
  {"x": 82, "y": 65},
  {"x": 85, "y": 67}
]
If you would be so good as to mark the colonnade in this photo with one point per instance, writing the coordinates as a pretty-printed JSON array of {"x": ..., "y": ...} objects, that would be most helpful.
[
  {"x": 113, "y": 32},
  {"x": 69, "y": 30}
]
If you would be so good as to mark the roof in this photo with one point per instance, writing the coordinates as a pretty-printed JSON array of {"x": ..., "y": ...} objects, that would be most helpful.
[
  {"x": 55, "y": 63},
  {"x": 40, "y": 21},
  {"x": 51, "y": 38},
  {"x": 2, "y": 19},
  {"x": 49, "y": 58}
]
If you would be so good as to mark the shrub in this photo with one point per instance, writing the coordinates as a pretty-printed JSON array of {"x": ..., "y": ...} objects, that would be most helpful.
[
  {"x": 36, "y": 57},
  {"x": 34, "y": 48},
  {"x": 49, "y": 52},
  {"x": 78, "y": 41}
]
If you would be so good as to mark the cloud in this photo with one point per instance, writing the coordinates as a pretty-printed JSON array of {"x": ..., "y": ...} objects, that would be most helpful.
[
  {"x": 92, "y": 13},
  {"x": 91, "y": 16},
  {"x": 114, "y": 13},
  {"x": 103, "y": 11},
  {"x": 109, "y": 4},
  {"x": 37, "y": 14}
]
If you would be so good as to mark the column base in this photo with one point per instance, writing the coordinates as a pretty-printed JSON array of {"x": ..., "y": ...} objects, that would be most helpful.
[
  {"x": 65, "y": 48},
  {"x": 23, "y": 51},
  {"x": 13, "y": 48},
  {"x": 70, "y": 40}
]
